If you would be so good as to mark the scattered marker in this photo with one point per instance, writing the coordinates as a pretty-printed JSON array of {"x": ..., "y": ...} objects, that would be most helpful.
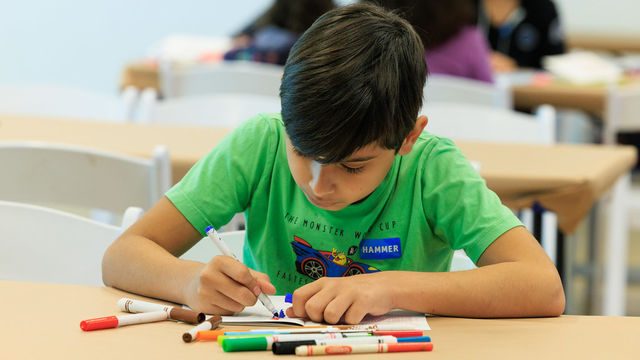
[
  {"x": 288, "y": 298},
  {"x": 282, "y": 313}
]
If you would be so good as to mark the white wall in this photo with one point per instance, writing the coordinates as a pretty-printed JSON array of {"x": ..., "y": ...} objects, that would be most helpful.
[
  {"x": 86, "y": 43},
  {"x": 601, "y": 16}
]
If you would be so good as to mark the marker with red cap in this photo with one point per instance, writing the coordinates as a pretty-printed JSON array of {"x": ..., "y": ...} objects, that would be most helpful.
[
  {"x": 110, "y": 322},
  {"x": 309, "y": 350}
]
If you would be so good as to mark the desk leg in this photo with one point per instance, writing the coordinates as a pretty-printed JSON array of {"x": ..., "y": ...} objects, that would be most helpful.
[{"x": 617, "y": 239}]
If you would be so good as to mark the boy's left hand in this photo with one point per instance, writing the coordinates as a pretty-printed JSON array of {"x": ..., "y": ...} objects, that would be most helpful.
[{"x": 330, "y": 299}]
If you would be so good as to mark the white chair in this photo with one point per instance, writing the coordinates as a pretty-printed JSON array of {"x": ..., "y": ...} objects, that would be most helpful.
[
  {"x": 622, "y": 111},
  {"x": 52, "y": 246},
  {"x": 224, "y": 77},
  {"x": 204, "y": 250},
  {"x": 221, "y": 109},
  {"x": 65, "y": 102},
  {"x": 439, "y": 88},
  {"x": 461, "y": 121},
  {"x": 56, "y": 174}
]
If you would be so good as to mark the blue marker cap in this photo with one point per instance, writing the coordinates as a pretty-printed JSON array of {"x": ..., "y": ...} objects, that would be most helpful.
[
  {"x": 281, "y": 313},
  {"x": 288, "y": 298},
  {"x": 414, "y": 339},
  {"x": 208, "y": 228}
]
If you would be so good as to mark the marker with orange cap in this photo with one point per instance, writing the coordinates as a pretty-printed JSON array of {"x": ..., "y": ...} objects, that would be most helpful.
[{"x": 110, "y": 322}]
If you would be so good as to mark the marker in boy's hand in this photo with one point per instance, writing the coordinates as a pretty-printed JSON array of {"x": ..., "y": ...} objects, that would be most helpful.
[
  {"x": 348, "y": 299},
  {"x": 225, "y": 286}
]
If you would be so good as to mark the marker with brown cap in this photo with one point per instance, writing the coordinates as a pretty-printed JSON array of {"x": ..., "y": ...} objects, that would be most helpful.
[
  {"x": 175, "y": 313},
  {"x": 210, "y": 324}
]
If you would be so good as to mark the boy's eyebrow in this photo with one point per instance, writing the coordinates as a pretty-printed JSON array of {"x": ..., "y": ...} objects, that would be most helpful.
[
  {"x": 355, "y": 159},
  {"x": 359, "y": 159}
]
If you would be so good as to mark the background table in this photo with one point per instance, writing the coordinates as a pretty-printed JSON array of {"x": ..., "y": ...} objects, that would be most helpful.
[
  {"x": 42, "y": 321},
  {"x": 566, "y": 179}
]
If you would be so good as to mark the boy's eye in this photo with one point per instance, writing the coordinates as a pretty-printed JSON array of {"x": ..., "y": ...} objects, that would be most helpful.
[{"x": 353, "y": 170}]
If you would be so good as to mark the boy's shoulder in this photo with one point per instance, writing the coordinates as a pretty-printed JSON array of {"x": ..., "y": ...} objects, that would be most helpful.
[
  {"x": 429, "y": 145},
  {"x": 264, "y": 121}
]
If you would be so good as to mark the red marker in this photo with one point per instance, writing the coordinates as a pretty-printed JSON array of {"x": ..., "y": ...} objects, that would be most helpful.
[
  {"x": 110, "y": 322},
  {"x": 309, "y": 350}
]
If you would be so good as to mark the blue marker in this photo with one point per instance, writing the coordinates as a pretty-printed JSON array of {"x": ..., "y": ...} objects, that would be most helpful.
[{"x": 414, "y": 339}]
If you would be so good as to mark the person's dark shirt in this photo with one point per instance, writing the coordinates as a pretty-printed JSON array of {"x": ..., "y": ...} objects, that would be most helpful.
[{"x": 529, "y": 36}]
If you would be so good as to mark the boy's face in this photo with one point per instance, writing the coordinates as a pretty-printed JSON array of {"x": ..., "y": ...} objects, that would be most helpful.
[{"x": 337, "y": 185}]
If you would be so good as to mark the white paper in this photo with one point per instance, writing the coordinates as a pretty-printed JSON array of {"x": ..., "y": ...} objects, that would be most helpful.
[{"x": 258, "y": 314}]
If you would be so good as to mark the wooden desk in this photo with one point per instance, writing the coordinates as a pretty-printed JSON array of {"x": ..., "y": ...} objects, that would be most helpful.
[
  {"x": 566, "y": 179},
  {"x": 141, "y": 75},
  {"x": 562, "y": 95},
  {"x": 616, "y": 106},
  {"x": 186, "y": 144},
  {"x": 42, "y": 321},
  {"x": 616, "y": 43}
]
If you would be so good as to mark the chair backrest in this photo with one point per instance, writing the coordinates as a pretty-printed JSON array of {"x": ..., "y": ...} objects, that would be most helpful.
[
  {"x": 46, "y": 100},
  {"x": 448, "y": 88},
  {"x": 460, "y": 121},
  {"x": 204, "y": 250},
  {"x": 222, "y": 109},
  {"x": 46, "y": 245},
  {"x": 224, "y": 77},
  {"x": 621, "y": 111},
  {"x": 45, "y": 173}
]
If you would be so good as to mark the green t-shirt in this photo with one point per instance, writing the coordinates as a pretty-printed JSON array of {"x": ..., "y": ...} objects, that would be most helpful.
[{"x": 431, "y": 203}]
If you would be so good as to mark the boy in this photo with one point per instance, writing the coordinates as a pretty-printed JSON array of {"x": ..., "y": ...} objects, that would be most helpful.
[{"x": 343, "y": 184}]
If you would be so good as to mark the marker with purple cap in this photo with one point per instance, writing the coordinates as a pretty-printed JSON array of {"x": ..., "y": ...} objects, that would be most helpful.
[{"x": 213, "y": 235}]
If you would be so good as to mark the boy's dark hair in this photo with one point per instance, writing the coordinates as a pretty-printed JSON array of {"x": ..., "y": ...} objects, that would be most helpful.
[{"x": 354, "y": 78}]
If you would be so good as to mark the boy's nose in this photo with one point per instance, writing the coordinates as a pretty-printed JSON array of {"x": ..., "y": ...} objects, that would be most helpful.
[{"x": 321, "y": 180}]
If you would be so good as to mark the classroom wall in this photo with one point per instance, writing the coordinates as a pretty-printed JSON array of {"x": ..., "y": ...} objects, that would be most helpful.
[
  {"x": 86, "y": 43},
  {"x": 598, "y": 16}
]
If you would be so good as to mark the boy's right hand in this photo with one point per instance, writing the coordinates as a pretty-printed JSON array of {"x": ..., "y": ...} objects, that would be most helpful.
[{"x": 225, "y": 286}]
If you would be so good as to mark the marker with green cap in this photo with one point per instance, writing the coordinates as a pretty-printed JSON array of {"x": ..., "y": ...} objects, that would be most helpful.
[
  {"x": 286, "y": 337},
  {"x": 230, "y": 344}
]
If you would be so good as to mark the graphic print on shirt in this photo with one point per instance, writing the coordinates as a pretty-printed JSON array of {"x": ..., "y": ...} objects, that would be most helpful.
[{"x": 318, "y": 263}]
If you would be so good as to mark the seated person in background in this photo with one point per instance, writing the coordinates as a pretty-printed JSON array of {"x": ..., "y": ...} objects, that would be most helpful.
[
  {"x": 453, "y": 44},
  {"x": 521, "y": 32},
  {"x": 349, "y": 204},
  {"x": 270, "y": 37}
]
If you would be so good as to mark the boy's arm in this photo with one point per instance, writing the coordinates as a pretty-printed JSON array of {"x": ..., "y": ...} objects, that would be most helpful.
[
  {"x": 515, "y": 279},
  {"x": 144, "y": 260}
]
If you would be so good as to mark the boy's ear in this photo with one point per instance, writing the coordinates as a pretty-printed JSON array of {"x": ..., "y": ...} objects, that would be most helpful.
[{"x": 407, "y": 145}]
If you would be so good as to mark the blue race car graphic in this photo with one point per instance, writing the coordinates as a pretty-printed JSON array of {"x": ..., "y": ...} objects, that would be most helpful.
[{"x": 316, "y": 263}]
